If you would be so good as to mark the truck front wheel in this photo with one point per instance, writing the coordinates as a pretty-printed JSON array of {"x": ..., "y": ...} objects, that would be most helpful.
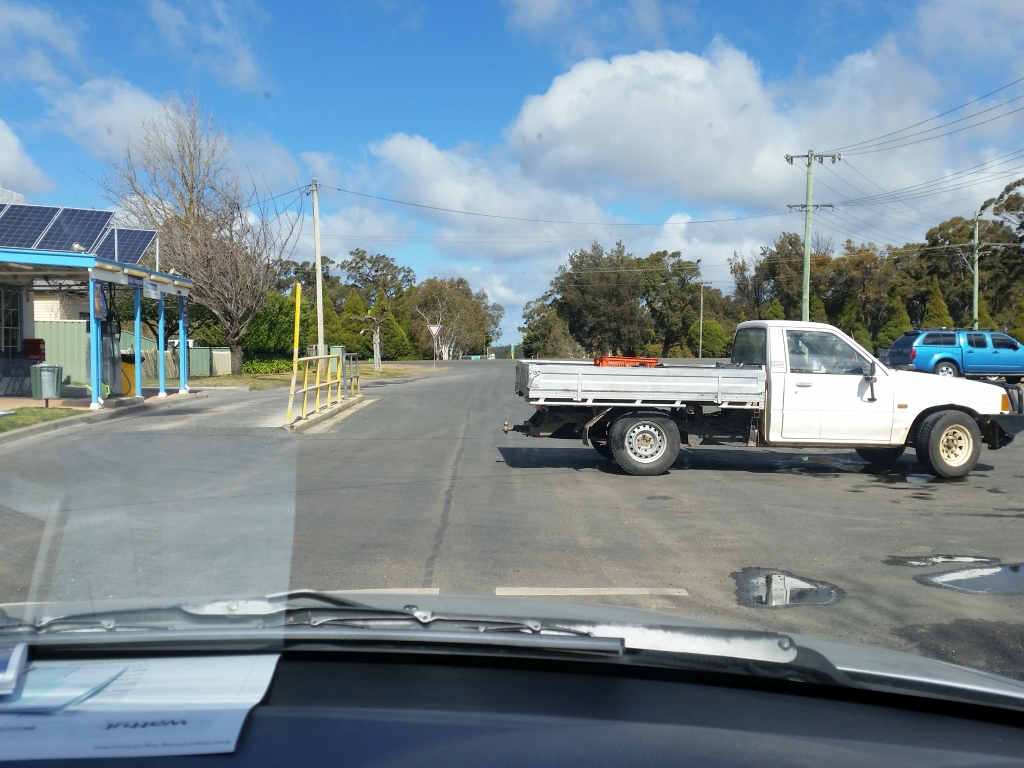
[
  {"x": 950, "y": 442},
  {"x": 644, "y": 443},
  {"x": 881, "y": 455}
]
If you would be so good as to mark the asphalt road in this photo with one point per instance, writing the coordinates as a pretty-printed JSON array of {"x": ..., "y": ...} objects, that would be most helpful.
[{"x": 422, "y": 490}]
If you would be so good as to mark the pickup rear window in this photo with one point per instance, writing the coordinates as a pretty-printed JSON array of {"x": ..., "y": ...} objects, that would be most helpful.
[
  {"x": 939, "y": 340},
  {"x": 977, "y": 340},
  {"x": 750, "y": 346}
]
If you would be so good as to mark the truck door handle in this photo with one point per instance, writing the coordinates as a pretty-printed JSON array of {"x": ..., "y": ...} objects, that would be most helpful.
[{"x": 803, "y": 384}]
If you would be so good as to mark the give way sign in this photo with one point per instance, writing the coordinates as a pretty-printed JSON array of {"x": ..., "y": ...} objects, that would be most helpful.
[{"x": 434, "y": 329}]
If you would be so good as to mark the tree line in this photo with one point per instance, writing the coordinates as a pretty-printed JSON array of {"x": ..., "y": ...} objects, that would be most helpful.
[
  {"x": 237, "y": 246},
  {"x": 604, "y": 301}
]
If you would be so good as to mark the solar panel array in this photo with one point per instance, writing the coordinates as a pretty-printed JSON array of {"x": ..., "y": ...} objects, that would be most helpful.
[
  {"x": 45, "y": 228},
  {"x": 74, "y": 225},
  {"x": 21, "y": 225},
  {"x": 131, "y": 245}
]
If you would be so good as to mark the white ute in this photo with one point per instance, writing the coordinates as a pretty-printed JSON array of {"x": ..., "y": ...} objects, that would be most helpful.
[{"x": 790, "y": 384}]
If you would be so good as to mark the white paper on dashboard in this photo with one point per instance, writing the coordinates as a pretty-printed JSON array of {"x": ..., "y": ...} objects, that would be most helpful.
[{"x": 161, "y": 706}]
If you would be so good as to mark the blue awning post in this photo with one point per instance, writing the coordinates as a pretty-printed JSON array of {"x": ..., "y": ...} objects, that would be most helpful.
[
  {"x": 95, "y": 378},
  {"x": 138, "y": 341},
  {"x": 162, "y": 349},
  {"x": 182, "y": 347}
]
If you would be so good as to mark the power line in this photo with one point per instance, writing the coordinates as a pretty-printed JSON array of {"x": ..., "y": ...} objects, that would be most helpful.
[
  {"x": 551, "y": 221},
  {"x": 936, "y": 117},
  {"x": 869, "y": 150}
]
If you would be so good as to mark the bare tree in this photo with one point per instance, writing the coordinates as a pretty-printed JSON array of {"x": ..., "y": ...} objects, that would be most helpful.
[{"x": 174, "y": 177}]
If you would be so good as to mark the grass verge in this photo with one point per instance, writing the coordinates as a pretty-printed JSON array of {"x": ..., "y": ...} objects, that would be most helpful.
[{"x": 26, "y": 417}]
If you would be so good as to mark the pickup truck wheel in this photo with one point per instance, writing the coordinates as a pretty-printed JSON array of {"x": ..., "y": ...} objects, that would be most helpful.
[
  {"x": 947, "y": 368},
  {"x": 952, "y": 442},
  {"x": 881, "y": 455},
  {"x": 645, "y": 443}
]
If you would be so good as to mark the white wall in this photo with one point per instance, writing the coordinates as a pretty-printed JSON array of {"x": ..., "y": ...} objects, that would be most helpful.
[{"x": 59, "y": 306}]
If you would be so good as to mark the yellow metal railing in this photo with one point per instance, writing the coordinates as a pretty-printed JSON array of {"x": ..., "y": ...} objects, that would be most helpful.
[{"x": 338, "y": 374}]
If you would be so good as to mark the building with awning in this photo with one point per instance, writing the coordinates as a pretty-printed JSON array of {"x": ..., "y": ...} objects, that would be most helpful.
[{"x": 78, "y": 248}]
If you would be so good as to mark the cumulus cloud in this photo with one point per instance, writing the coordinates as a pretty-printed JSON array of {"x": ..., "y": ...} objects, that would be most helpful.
[
  {"x": 212, "y": 35},
  {"x": 100, "y": 114},
  {"x": 708, "y": 128},
  {"x": 35, "y": 44},
  {"x": 17, "y": 169}
]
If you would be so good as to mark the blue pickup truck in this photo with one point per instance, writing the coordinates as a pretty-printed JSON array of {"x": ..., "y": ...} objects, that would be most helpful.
[{"x": 959, "y": 353}]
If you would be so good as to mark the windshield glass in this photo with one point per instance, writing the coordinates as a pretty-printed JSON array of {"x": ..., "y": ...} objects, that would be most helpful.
[{"x": 414, "y": 301}]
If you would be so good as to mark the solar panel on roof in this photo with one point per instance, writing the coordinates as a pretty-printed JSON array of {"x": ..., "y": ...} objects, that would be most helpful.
[
  {"x": 21, "y": 225},
  {"x": 74, "y": 225},
  {"x": 3, "y": 207},
  {"x": 131, "y": 244}
]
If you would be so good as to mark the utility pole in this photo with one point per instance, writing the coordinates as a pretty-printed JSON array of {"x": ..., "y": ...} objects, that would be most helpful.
[
  {"x": 320, "y": 348},
  {"x": 807, "y": 207},
  {"x": 974, "y": 306},
  {"x": 700, "y": 322}
]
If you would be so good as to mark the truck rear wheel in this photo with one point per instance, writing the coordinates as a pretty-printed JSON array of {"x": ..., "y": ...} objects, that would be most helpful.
[
  {"x": 947, "y": 368},
  {"x": 644, "y": 443},
  {"x": 881, "y": 455},
  {"x": 951, "y": 443}
]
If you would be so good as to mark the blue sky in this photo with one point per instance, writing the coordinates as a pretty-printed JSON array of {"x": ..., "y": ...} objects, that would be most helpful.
[{"x": 570, "y": 110}]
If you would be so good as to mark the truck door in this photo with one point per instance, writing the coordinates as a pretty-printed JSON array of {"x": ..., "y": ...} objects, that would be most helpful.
[
  {"x": 827, "y": 398},
  {"x": 978, "y": 356},
  {"x": 1007, "y": 355}
]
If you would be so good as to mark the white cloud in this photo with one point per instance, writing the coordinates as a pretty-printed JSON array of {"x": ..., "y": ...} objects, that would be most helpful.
[
  {"x": 31, "y": 39},
  {"x": 972, "y": 29},
  {"x": 18, "y": 172},
  {"x": 100, "y": 114},
  {"x": 593, "y": 27},
  {"x": 708, "y": 129},
  {"x": 212, "y": 35}
]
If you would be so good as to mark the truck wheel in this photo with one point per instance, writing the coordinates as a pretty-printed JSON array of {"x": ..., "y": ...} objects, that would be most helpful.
[
  {"x": 644, "y": 443},
  {"x": 881, "y": 455},
  {"x": 947, "y": 368},
  {"x": 951, "y": 441}
]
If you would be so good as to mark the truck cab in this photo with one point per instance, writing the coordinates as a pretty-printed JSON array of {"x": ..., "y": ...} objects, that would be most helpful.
[{"x": 957, "y": 352}]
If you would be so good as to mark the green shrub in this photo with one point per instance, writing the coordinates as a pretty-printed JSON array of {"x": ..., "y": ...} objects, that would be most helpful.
[{"x": 267, "y": 365}]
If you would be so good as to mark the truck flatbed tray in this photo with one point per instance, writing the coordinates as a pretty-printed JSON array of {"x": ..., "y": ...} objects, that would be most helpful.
[{"x": 543, "y": 382}]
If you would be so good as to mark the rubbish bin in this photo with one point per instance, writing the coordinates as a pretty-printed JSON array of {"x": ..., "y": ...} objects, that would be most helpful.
[
  {"x": 128, "y": 374},
  {"x": 47, "y": 382}
]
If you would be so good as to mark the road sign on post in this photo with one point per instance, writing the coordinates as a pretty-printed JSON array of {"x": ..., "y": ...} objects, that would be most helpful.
[{"x": 434, "y": 330}]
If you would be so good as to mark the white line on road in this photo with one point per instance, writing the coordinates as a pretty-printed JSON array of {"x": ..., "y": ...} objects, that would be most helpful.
[
  {"x": 584, "y": 591},
  {"x": 397, "y": 591}
]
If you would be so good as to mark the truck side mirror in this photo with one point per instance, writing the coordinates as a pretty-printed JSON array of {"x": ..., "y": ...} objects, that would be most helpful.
[
  {"x": 874, "y": 369},
  {"x": 869, "y": 377}
]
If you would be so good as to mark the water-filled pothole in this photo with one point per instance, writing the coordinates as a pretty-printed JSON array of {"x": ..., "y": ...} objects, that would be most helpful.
[
  {"x": 995, "y": 580},
  {"x": 773, "y": 588},
  {"x": 926, "y": 561}
]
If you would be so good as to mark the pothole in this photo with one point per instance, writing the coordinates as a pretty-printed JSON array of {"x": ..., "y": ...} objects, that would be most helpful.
[
  {"x": 773, "y": 588},
  {"x": 926, "y": 561},
  {"x": 997, "y": 580},
  {"x": 660, "y": 498}
]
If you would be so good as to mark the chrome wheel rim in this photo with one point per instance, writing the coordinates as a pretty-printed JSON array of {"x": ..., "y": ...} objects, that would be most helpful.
[
  {"x": 955, "y": 445},
  {"x": 645, "y": 442},
  {"x": 946, "y": 370}
]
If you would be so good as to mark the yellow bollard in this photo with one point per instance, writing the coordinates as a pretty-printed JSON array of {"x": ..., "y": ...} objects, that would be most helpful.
[{"x": 295, "y": 352}]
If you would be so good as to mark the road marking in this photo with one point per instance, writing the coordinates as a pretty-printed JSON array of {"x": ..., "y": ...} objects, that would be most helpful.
[
  {"x": 396, "y": 591},
  {"x": 587, "y": 591}
]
